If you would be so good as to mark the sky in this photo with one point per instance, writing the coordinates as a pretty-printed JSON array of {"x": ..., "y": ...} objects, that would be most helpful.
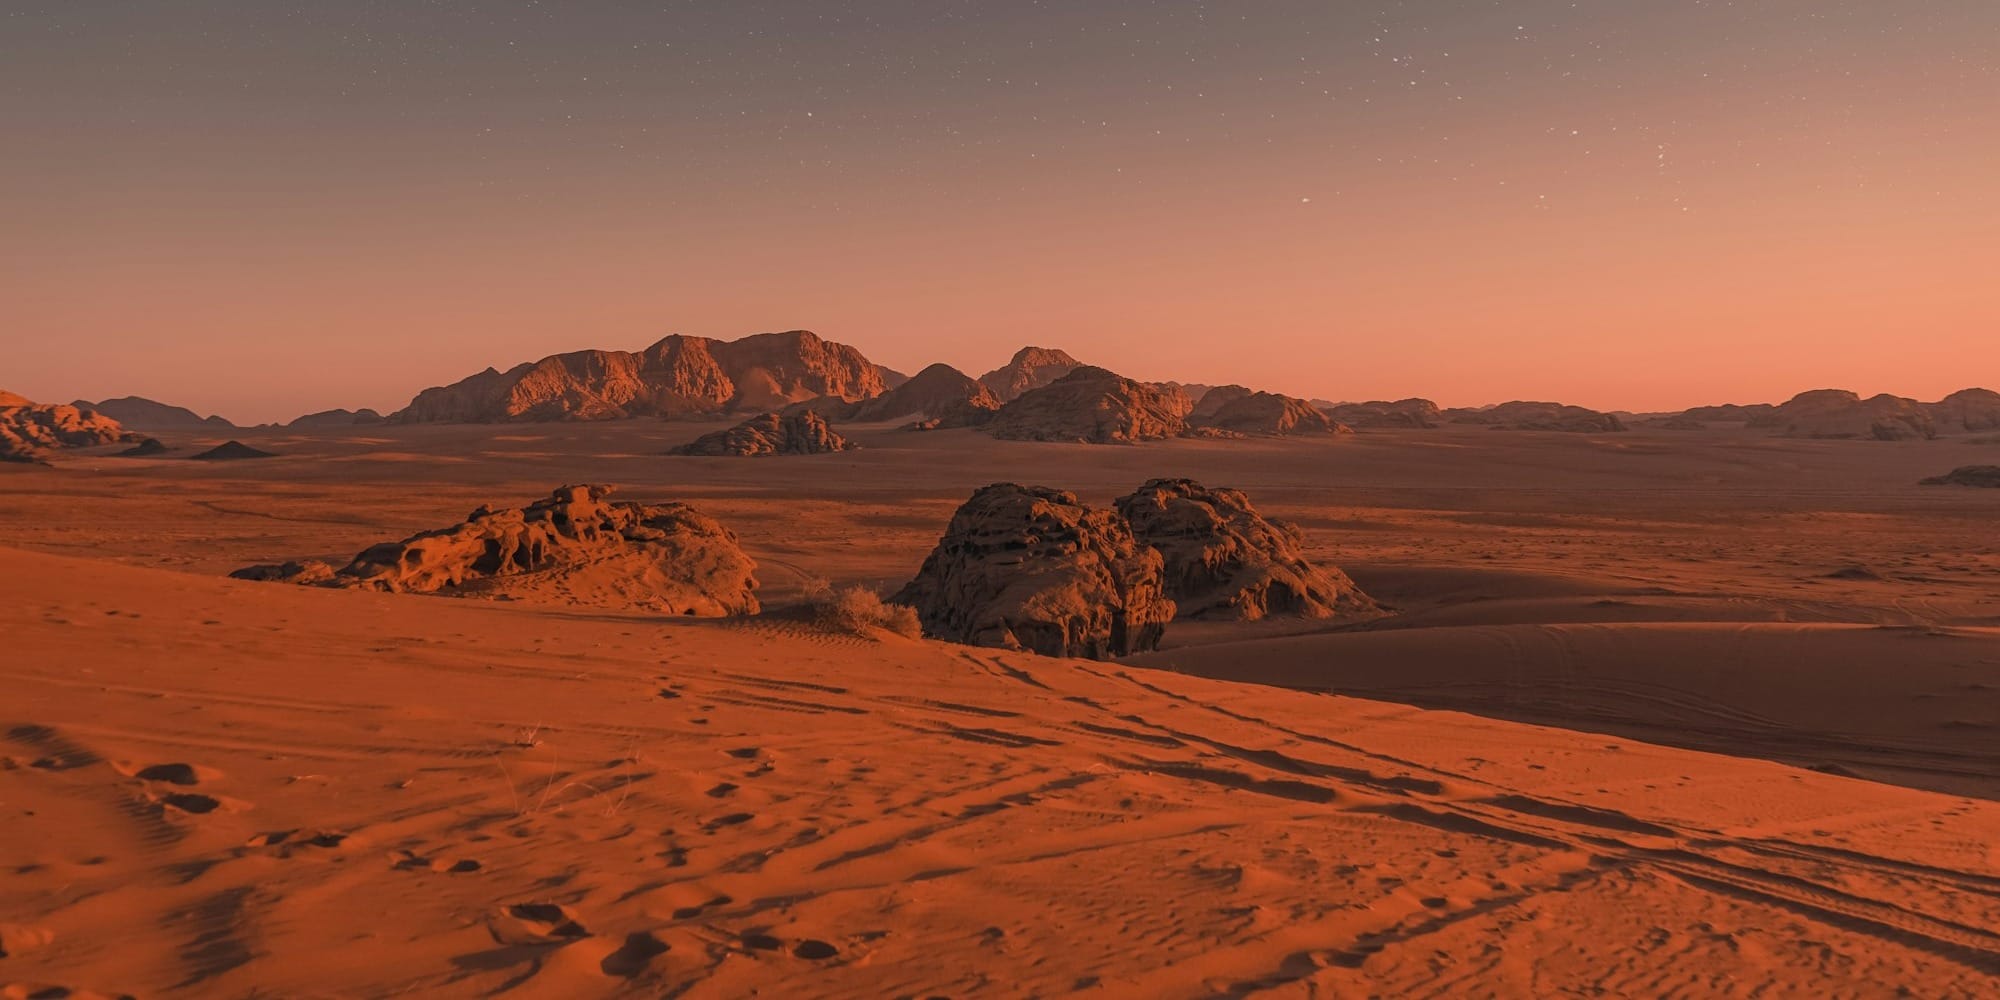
[{"x": 264, "y": 208}]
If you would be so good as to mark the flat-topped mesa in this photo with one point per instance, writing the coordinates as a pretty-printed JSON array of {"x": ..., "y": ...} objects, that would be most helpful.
[
  {"x": 1526, "y": 415},
  {"x": 677, "y": 376},
  {"x": 1415, "y": 412},
  {"x": 1031, "y": 368},
  {"x": 1260, "y": 413},
  {"x": 794, "y": 433},
  {"x": 1838, "y": 413},
  {"x": 1728, "y": 413},
  {"x": 29, "y": 431},
  {"x": 1223, "y": 560},
  {"x": 1093, "y": 406},
  {"x": 1026, "y": 567},
  {"x": 575, "y": 547}
]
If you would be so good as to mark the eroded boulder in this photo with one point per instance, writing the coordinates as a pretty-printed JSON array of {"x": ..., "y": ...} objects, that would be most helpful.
[
  {"x": 1027, "y": 567},
  {"x": 1093, "y": 406},
  {"x": 1223, "y": 560},
  {"x": 576, "y": 547},
  {"x": 800, "y": 433}
]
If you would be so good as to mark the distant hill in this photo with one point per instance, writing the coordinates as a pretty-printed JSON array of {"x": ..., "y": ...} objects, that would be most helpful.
[{"x": 150, "y": 415}]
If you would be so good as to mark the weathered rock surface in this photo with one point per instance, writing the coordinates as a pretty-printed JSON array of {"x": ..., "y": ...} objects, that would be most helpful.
[
  {"x": 800, "y": 433},
  {"x": 337, "y": 418},
  {"x": 1263, "y": 413},
  {"x": 1092, "y": 406},
  {"x": 1375, "y": 414},
  {"x": 939, "y": 393},
  {"x": 231, "y": 451},
  {"x": 1524, "y": 415},
  {"x": 575, "y": 547},
  {"x": 1026, "y": 567},
  {"x": 1223, "y": 560},
  {"x": 1966, "y": 410},
  {"x": 1031, "y": 368},
  {"x": 29, "y": 431},
  {"x": 1838, "y": 413},
  {"x": 140, "y": 413},
  {"x": 1987, "y": 476},
  {"x": 677, "y": 376},
  {"x": 1729, "y": 413}
]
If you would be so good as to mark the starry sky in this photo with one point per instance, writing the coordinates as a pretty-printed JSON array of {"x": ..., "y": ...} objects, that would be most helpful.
[{"x": 267, "y": 208}]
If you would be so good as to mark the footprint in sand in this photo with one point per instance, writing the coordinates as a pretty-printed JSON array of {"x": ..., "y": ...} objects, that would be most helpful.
[
  {"x": 538, "y": 923},
  {"x": 408, "y": 860},
  {"x": 39, "y": 991},
  {"x": 289, "y": 839}
]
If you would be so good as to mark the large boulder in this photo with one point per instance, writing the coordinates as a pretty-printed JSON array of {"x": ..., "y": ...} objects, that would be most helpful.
[
  {"x": 1026, "y": 567},
  {"x": 1092, "y": 406},
  {"x": 1967, "y": 410},
  {"x": 1031, "y": 368},
  {"x": 800, "y": 433},
  {"x": 1411, "y": 413},
  {"x": 1838, "y": 413},
  {"x": 29, "y": 431},
  {"x": 677, "y": 376},
  {"x": 1262, "y": 413},
  {"x": 575, "y": 547},
  {"x": 1987, "y": 476},
  {"x": 1223, "y": 560},
  {"x": 1526, "y": 415}
]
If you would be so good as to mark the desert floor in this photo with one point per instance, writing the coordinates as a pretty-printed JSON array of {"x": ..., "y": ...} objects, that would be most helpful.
[{"x": 1659, "y": 713}]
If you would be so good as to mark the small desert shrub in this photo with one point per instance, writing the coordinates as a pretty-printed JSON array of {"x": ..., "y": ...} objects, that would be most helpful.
[{"x": 855, "y": 610}]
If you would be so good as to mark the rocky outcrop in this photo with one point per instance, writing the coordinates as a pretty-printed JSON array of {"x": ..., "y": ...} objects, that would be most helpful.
[
  {"x": 940, "y": 395},
  {"x": 1987, "y": 476},
  {"x": 677, "y": 376},
  {"x": 144, "y": 449},
  {"x": 1729, "y": 413},
  {"x": 231, "y": 451},
  {"x": 1217, "y": 397},
  {"x": 336, "y": 418},
  {"x": 29, "y": 431},
  {"x": 1966, "y": 410},
  {"x": 1092, "y": 406},
  {"x": 801, "y": 433},
  {"x": 575, "y": 547},
  {"x": 1376, "y": 414},
  {"x": 140, "y": 413},
  {"x": 1263, "y": 413},
  {"x": 1223, "y": 560},
  {"x": 1026, "y": 567},
  {"x": 1031, "y": 368},
  {"x": 1838, "y": 413},
  {"x": 1522, "y": 415}
]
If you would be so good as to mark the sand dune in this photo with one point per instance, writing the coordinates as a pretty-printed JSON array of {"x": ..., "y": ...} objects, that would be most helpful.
[
  {"x": 218, "y": 787},
  {"x": 332, "y": 793}
]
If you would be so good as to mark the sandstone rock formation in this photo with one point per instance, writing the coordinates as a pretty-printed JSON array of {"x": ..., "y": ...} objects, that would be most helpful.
[
  {"x": 1263, "y": 413},
  {"x": 140, "y": 413},
  {"x": 800, "y": 433},
  {"x": 8, "y": 399},
  {"x": 337, "y": 418},
  {"x": 1966, "y": 410},
  {"x": 1523, "y": 415},
  {"x": 1223, "y": 560},
  {"x": 1214, "y": 400},
  {"x": 1026, "y": 567},
  {"x": 1093, "y": 406},
  {"x": 1838, "y": 413},
  {"x": 1729, "y": 413},
  {"x": 1411, "y": 413},
  {"x": 677, "y": 376},
  {"x": 575, "y": 547},
  {"x": 1031, "y": 368},
  {"x": 29, "y": 431},
  {"x": 939, "y": 393},
  {"x": 231, "y": 451},
  {"x": 1968, "y": 475}
]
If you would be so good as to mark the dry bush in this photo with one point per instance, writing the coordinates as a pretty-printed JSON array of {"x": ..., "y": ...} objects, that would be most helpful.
[{"x": 856, "y": 610}]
